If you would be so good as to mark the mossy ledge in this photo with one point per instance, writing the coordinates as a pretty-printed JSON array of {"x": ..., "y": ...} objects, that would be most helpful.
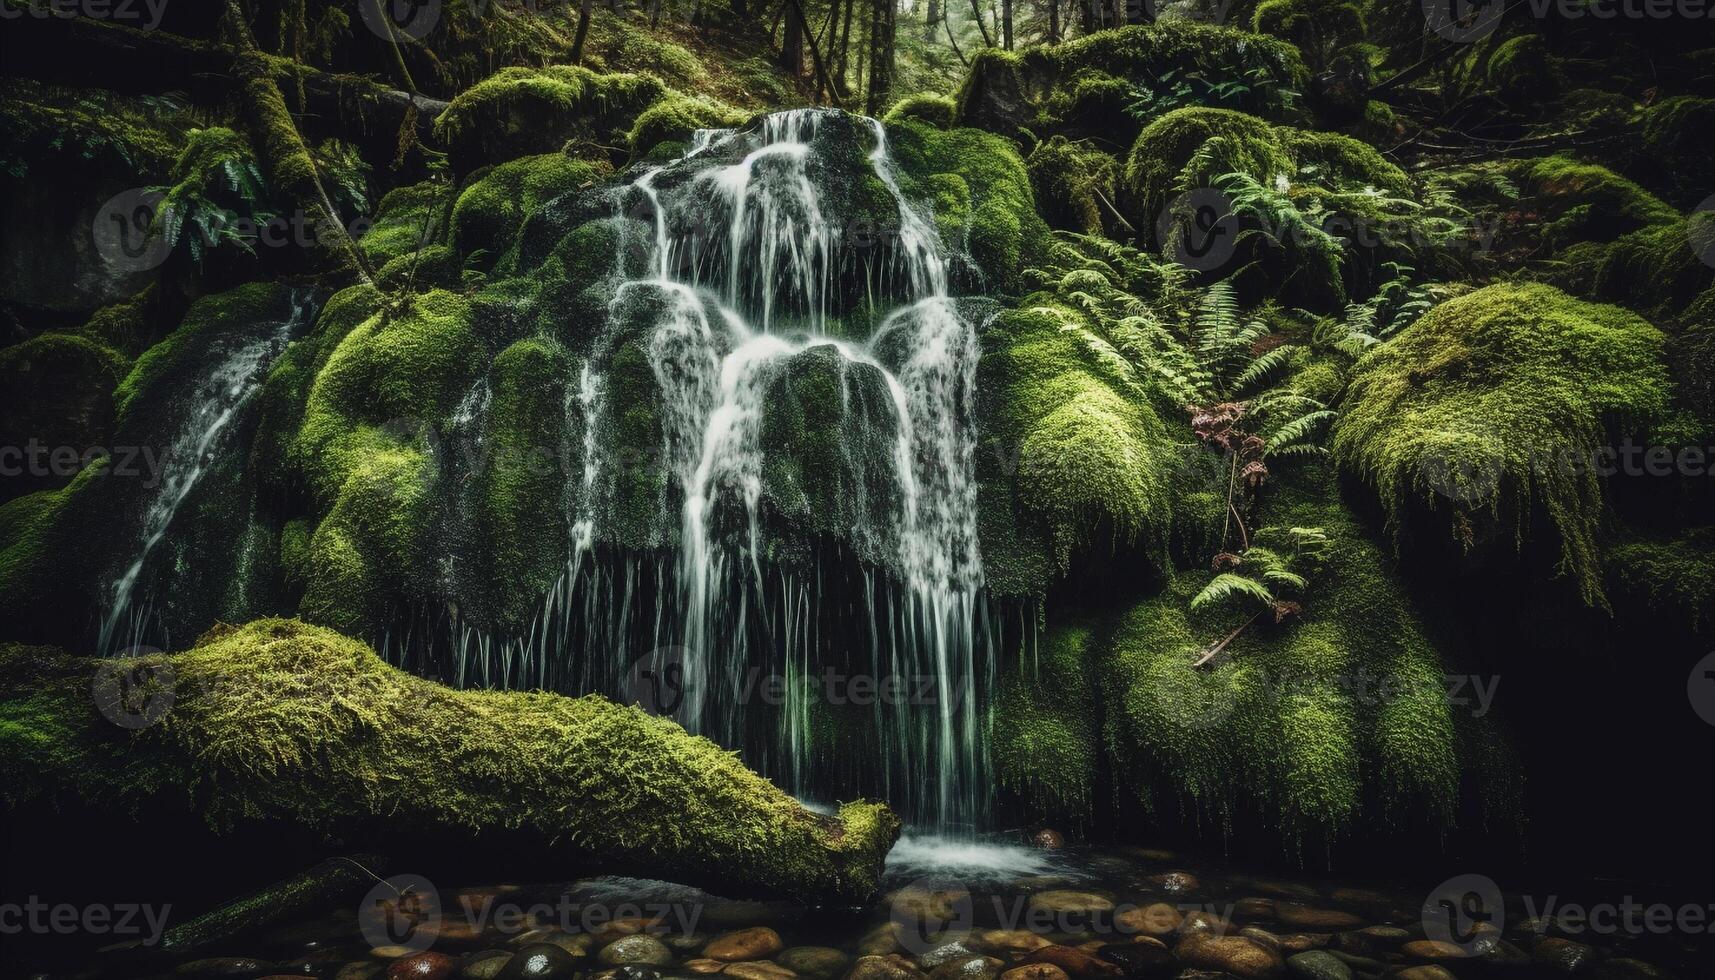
[{"x": 286, "y": 721}]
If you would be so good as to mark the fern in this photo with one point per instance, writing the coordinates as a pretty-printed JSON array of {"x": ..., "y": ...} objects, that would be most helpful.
[{"x": 1229, "y": 585}]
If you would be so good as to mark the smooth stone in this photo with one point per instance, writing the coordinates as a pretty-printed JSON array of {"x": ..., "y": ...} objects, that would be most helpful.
[
  {"x": 1233, "y": 954},
  {"x": 1503, "y": 953},
  {"x": 757, "y": 943},
  {"x": 820, "y": 962},
  {"x": 379, "y": 952},
  {"x": 615, "y": 929},
  {"x": 1048, "y": 840},
  {"x": 1262, "y": 936},
  {"x": 942, "y": 954},
  {"x": 1434, "y": 949},
  {"x": 936, "y": 905},
  {"x": 541, "y": 961},
  {"x": 688, "y": 942},
  {"x": 636, "y": 971},
  {"x": 705, "y": 966},
  {"x": 1563, "y": 955},
  {"x": 485, "y": 965},
  {"x": 359, "y": 971},
  {"x": 1428, "y": 972},
  {"x": 880, "y": 941},
  {"x": 422, "y": 966},
  {"x": 890, "y": 967},
  {"x": 579, "y": 944},
  {"x": 758, "y": 970},
  {"x": 1012, "y": 940},
  {"x": 1306, "y": 917},
  {"x": 635, "y": 949},
  {"x": 226, "y": 966},
  {"x": 1140, "y": 960},
  {"x": 1076, "y": 962},
  {"x": 1300, "y": 942},
  {"x": 1318, "y": 965},
  {"x": 1159, "y": 919},
  {"x": 970, "y": 968},
  {"x": 1362, "y": 964},
  {"x": 1035, "y": 971},
  {"x": 1204, "y": 922},
  {"x": 1070, "y": 903},
  {"x": 1255, "y": 908}
]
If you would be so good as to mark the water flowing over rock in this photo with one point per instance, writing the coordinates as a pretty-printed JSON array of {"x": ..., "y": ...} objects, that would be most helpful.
[{"x": 770, "y": 493}]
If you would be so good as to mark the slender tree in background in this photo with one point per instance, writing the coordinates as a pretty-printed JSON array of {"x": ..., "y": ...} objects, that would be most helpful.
[
  {"x": 883, "y": 23},
  {"x": 932, "y": 19},
  {"x": 584, "y": 11},
  {"x": 1006, "y": 24},
  {"x": 792, "y": 42}
]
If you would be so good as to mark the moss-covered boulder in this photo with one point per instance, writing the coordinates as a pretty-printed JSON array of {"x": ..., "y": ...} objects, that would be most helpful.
[
  {"x": 1188, "y": 148},
  {"x": 674, "y": 117},
  {"x": 489, "y": 212},
  {"x": 1074, "y": 185},
  {"x": 282, "y": 721},
  {"x": 525, "y": 111},
  {"x": 56, "y": 399},
  {"x": 1047, "y": 740},
  {"x": 1496, "y": 405}
]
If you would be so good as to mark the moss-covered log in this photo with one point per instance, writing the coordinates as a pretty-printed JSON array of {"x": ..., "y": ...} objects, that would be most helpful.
[{"x": 283, "y": 721}]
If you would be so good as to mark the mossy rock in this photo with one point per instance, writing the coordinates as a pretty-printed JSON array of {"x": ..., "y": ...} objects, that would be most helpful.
[
  {"x": 407, "y": 219},
  {"x": 490, "y": 211},
  {"x": 1046, "y": 742},
  {"x": 289, "y": 722},
  {"x": 57, "y": 393},
  {"x": 1587, "y": 202},
  {"x": 675, "y": 117},
  {"x": 1074, "y": 185},
  {"x": 530, "y": 111},
  {"x": 1494, "y": 405},
  {"x": 936, "y": 110},
  {"x": 1160, "y": 159}
]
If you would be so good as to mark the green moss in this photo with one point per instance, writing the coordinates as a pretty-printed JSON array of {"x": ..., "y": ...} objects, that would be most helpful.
[
  {"x": 1487, "y": 402},
  {"x": 372, "y": 546},
  {"x": 49, "y": 127},
  {"x": 434, "y": 266},
  {"x": 1655, "y": 270},
  {"x": 406, "y": 219},
  {"x": 282, "y": 721},
  {"x": 1674, "y": 577},
  {"x": 167, "y": 362},
  {"x": 55, "y": 390},
  {"x": 675, "y": 117},
  {"x": 489, "y": 212},
  {"x": 1046, "y": 740},
  {"x": 522, "y": 111},
  {"x": 1318, "y": 28},
  {"x": 1165, "y": 157},
  {"x": 1587, "y": 202},
  {"x": 1523, "y": 72},
  {"x": 1331, "y": 155},
  {"x": 1070, "y": 181},
  {"x": 1278, "y": 727},
  {"x": 936, "y": 110}
]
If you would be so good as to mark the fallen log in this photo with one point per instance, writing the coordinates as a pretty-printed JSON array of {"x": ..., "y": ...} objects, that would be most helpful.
[{"x": 281, "y": 721}]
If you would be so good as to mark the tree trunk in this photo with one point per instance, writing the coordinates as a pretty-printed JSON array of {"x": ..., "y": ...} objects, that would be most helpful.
[
  {"x": 843, "y": 62},
  {"x": 792, "y": 43},
  {"x": 1006, "y": 24},
  {"x": 883, "y": 22},
  {"x": 977, "y": 14},
  {"x": 1053, "y": 21},
  {"x": 585, "y": 11},
  {"x": 932, "y": 20}
]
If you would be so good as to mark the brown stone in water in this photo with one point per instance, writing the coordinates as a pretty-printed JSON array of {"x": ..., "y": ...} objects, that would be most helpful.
[
  {"x": 1076, "y": 962},
  {"x": 1048, "y": 840},
  {"x": 759, "y": 970},
  {"x": 1035, "y": 971},
  {"x": 1305, "y": 917},
  {"x": 757, "y": 943},
  {"x": 1159, "y": 919},
  {"x": 422, "y": 966},
  {"x": 1434, "y": 949},
  {"x": 1234, "y": 954},
  {"x": 1425, "y": 973},
  {"x": 1012, "y": 940},
  {"x": 889, "y": 967},
  {"x": 705, "y": 965},
  {"x": 1300, "y": 942}
]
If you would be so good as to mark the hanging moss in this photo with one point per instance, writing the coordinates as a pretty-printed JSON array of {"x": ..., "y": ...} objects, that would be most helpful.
[
  {"x": 1046, "y": 740},
  {"x": 1673, "y": 577},
  {"x": 675, "y": 117},
  {"x": 284, "y": 721},
  {"x": 1485, "y": 403},
  {"x": 936, "y": 110}
]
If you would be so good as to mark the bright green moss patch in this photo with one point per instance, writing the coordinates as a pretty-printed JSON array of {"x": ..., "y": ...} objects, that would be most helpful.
[
  {"x": 285, "y": 721},
  {"x": 1166, "y": 157},
  {"x": 1343, "y": 158},
  {"x": 1674, "y": 577},
  {"x": 372, "y": 546},
  {"x": 523, "y": 111},
  {"x": 168, "y": 362},
  {"x": 407, "y": 219},
  {"x": 1046, "y": 740},
  {"x": 489, "y": 211},
  {"x": 675, "y": 117},
  {"x": 1588, "y": 202},
  {"x": 936, "y": 110},
  {"x": 1496, "y": 403},
  {"x": 1074, "y": 184}
]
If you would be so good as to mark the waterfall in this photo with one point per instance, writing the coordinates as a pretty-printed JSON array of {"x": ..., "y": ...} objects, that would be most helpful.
[
  {"x": 216, "y": 398},
  {"x": 747, "y": 289}
]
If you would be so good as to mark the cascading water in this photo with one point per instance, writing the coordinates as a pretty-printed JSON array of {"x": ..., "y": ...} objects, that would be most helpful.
[
  {"x": 215, "y": 401},
  {"x": 750, "y": 287}
]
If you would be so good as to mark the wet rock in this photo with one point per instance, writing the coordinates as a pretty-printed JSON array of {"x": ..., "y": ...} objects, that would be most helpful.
[
  {"x": 636, "y": 949},
  {"x": 541, "y": 961},
  {"x": 1232, "y": 954},
  {"x": 1306, "y": 917},
  {"x": 880, "y": 941},
  {"x": 1048, "y": 840},
  {"x": 1254, "y": 908},
  {"x": 758, "y": 970},
  {"x": 1299, "y": 942},
  {"x": 1070, "y": 903},
  {"x": 1626, "y": 968},
  {"x": 705, "y": 966},
  {"x": 818, "y": 962},
  {"x": 1318, "y": 965},
  {"x": 224, "y": 966},
  {"x": 1205, "y": 922},
  {"x": 1504, "y": 954},
  {"x": 1434, "y": 950},
  {"x": 1174, "y": 882},
  {"x": 1076, "y": 962},
  {"x": 422, "y": 966},
  {"x": 1428, "y": 972},
  {"x": 890, "y": 967},
  {"x": 975, "y": 967},
  {"x": 688, "y": 942},
  {"x": 383, "y": 952},
  {"x": 942, "y": 954},
  {"x": 1262, "y": 936},
  {"x": 619, "y": 928},
  {"x": 1140, "y": 960},
  {"x": 1362, "y": 964},
  {"x": 636, "y": 971},
  {"x": 757, "y": 943},
  {"x": 1014, "y": 941},
  {"x": 485, "y": 965},
  {"x": 1035, "y": 971},
  {"x": 363, "y": 971},
  {"x": 1563, "y": 955},
  {"x": 1159, "y": 919}
]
